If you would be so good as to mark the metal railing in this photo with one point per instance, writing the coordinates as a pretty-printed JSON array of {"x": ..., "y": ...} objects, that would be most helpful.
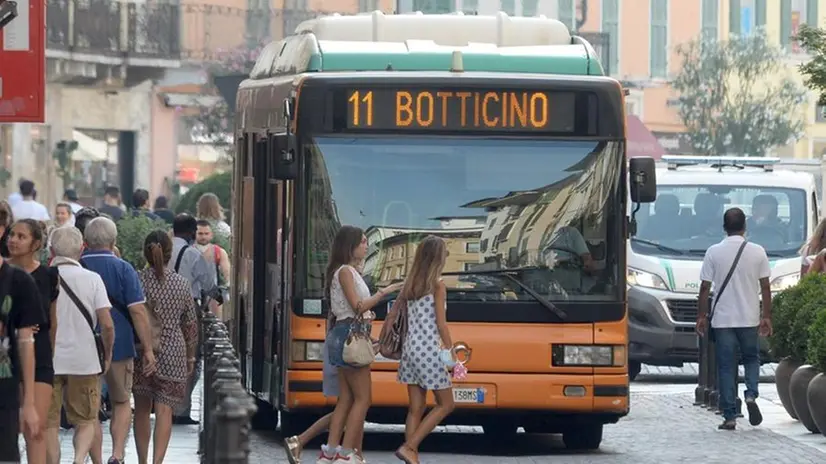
[
  {"x": 103, "y": 27},
  {"x": 226, "y": 407}
]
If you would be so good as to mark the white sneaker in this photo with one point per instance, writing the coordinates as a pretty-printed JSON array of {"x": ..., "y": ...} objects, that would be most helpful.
[
  {"x": 322, "y": 459},
  {"x": 351, "y": 459}
]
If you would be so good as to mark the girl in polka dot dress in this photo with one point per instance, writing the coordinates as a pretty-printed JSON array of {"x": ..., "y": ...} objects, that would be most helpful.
[{"x": 421, "y": 367}]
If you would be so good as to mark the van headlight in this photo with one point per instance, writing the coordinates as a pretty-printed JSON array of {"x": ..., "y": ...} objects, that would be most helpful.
[
  {"x": 638, "y": 278},
  {"x": 781, "y": 283},
  {"x": 303, "y": 350}
]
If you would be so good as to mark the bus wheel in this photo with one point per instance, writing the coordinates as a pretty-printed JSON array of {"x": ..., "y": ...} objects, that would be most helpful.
[
  {"x": 265, "y": 418},
  {"x": 583, "y": 437},
  {"x": 500, "y": 430},
  {"x": 293, "y": 423},
  {"x": 634, "y": 368}
]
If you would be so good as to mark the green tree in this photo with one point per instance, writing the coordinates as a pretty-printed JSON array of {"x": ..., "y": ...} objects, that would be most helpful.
[
  {"x": 219, "y": 184},
  {"x": 733, "y": 96},
  {"x": 813, "y": 40}
]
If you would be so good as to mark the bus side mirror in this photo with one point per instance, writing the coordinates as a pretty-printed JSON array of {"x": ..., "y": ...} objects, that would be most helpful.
[
  {"x": 643, "y": 179},
  {"x": 282, "y": 154}
]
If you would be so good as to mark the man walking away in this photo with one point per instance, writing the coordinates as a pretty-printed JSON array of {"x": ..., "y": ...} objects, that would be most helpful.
[
  {"x": 70, "y": 197},
  {"x": 161, "y": 209},
  {"x": 190, "y": 263},
  {"x": 140, "y": 205},
  {"x": 739, "y": 271},
  {"x": 129, "y": 316},
  {"x": 111, "y": 203},
  {"x": 28, "y": 207},
  {"x": 81, "y": 305}
]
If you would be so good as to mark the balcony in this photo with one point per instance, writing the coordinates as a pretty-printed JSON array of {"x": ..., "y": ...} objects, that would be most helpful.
[{"x": 85, "y": 36}]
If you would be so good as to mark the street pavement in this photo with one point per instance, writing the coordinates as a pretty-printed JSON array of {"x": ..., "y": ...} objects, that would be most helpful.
[{"x": 663, "y": 428}]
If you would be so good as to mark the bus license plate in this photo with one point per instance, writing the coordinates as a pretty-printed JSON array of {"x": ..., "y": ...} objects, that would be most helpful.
[{"x": 468, "y": 395}]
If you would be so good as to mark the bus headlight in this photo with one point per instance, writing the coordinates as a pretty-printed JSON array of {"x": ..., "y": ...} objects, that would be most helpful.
[
  {"x": 307, "y": 351},
  {"x": 639, "y": 278},
  {"x": 783, "y": 282},
  {"x": 588, "y": 355}
]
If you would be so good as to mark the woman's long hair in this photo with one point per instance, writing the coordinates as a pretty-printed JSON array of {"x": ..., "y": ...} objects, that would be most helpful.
[
  {"x": 426, "y": 269},
  {"x": 6, "y": 220},
  {"x": 157, "y": 249},
  {"x": 348, "y": 238},
  {"x": 209, "y": 208},
  {"x": 817, "y": 242}
]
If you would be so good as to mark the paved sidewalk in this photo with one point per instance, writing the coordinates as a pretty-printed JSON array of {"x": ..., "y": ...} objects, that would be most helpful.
[
  {"x": 689, "y": 373},
  {"x": 183, "y": 446}
]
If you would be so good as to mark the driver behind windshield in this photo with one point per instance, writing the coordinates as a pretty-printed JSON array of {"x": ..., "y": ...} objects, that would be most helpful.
[
  {"x": 569, "y": 249},
  {"x": 707, "y": 212},
  {"x": 764, "y": 221}
]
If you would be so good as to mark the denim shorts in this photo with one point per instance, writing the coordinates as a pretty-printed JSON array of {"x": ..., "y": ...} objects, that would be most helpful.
[
  {"x": 329, "y": 372},
  {"x": 336, "y": 339}
]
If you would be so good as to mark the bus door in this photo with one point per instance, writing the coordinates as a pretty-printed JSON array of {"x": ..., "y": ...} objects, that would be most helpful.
[
  {"x": 255, "y": 323},
  {"x": 277, "y": 284}
]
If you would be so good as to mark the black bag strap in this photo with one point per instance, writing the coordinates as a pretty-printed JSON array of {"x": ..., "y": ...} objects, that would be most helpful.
[
  {"x": 180, "y": 258},
  {"x": 727, "y": 279},
  {"x": 79, "y": 304}
]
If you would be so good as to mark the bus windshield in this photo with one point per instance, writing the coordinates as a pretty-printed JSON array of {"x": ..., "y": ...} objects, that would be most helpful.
[
  {"x": 687, "y": 219},
  {"x": 549, "y": 209}
]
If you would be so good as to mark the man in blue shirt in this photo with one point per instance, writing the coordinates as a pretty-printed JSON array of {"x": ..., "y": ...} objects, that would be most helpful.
[{"x": 126, "y": 295}]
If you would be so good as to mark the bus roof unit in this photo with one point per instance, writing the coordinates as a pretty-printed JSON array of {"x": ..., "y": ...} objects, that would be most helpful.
[{"x": 417, "y": 42}]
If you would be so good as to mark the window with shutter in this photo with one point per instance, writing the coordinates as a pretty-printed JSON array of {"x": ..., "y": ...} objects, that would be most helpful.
[
  {"x": 759, "y": 13},
  {"x": 785, "y": 24},
  {"x": 610, "y": 25},
  {"x": 508, "y": 6},
  {"x": 566, "y": 14},
  {"x": 734, "y": 16},
  {"x": 711, "y": 19},
  {"x": 812, "y": 12},
  {"x": 659, "y": 38},
  {"x": 529, "y": 7}
]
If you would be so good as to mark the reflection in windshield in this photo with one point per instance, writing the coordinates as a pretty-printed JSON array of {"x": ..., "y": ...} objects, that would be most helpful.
[
  {"x": 499, "y": 204},
  {"x": 688, "y": 218}
]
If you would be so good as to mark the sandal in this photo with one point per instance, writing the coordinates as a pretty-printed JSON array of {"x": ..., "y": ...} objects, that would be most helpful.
[
  {"x": 293, "y": 448},
  {"x": 406, "y": 454}
]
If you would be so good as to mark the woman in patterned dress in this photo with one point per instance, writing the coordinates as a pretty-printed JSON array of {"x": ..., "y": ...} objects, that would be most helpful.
[
  {"x": 421, "y": 367},
  {"x": 169, "y": 296}
]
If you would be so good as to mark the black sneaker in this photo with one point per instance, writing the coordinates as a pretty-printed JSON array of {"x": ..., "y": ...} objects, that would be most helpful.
[
  {"x": 755, "y": 416},
  {"x": 114, "y": 460},
  {"x": 730, "y": 424},
  {"x": 184, "y": 420}
]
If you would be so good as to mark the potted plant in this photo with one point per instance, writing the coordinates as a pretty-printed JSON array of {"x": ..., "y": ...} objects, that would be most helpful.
[
  {"x": 816, "y": 391},
  {"x": 132, "y": 232},
  {"x": 813, "y": 288},
  {"x": 784, "y": 307}
]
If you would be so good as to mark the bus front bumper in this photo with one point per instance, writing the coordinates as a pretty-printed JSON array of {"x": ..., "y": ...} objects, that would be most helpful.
[{"x": 604, "y": 397}]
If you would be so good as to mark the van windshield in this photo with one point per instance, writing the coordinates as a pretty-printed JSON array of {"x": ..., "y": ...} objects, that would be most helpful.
[{"x": 687, "y": 219}]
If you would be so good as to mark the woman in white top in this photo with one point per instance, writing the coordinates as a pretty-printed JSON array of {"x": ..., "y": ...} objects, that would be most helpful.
[
  {"x": 812, "y": 253},
  {"x": 349, "y": 297}
]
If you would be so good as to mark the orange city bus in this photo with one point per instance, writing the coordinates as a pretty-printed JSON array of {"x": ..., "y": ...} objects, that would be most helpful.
[{"x": 516, "y": 158}]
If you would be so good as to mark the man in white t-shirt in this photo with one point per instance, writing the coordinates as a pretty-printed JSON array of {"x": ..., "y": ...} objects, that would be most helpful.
[
  {"x": 77, "y": 367},
  {"x": 735, "y": 313},
  {"x": 27, "y": 207}
]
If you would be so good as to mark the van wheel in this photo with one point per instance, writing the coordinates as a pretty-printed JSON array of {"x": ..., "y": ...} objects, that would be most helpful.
[
  {"x": 583, "y": 437},
  {"x": 500, "y": 430},
  {"x": 634, "y": 368},
  {"x": 265, "y": 417},
  {"x": 293, "y": 423}
]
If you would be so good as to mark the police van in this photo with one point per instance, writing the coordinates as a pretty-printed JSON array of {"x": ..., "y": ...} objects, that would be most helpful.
[{"x": 673, "y": 234}]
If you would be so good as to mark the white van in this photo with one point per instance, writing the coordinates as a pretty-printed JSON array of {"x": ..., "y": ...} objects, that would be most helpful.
[{"x": 665, "y": 255}]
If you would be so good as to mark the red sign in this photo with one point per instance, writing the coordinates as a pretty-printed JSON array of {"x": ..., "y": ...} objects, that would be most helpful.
[{"x": 23, "y": 64}]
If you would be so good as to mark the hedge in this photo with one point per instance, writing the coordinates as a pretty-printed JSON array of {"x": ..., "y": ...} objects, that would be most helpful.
[{"x": 220, "y": 184}]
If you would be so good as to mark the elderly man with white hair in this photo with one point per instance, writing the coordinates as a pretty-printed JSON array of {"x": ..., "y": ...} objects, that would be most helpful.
[
  {"x": 80, "y": 355},
  {"x": 131, "y": 325}
]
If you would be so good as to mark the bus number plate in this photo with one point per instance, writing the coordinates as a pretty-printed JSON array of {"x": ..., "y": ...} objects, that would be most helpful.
[{"x": 468, "y": 395}]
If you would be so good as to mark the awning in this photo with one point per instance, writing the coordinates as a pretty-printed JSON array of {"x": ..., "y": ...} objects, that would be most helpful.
[{"x": 641, "y": 142}]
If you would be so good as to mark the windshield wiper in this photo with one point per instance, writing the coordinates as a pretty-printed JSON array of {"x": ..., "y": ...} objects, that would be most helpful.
[
  {"x": 508, "y": 274},
  {"x": 656, "y": 245}
]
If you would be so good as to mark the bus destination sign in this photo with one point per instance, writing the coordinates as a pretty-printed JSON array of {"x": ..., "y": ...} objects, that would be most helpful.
[{"x": 461, "y": 110}]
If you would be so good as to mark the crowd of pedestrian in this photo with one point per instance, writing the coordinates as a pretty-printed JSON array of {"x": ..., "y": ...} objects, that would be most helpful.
[{"x": 84, "y": 328}]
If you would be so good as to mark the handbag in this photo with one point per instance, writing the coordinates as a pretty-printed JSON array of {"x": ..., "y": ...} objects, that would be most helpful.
[
  {"x": 358, "y": 347},
  {"x": 155, "y": 327},
  {"x": 82, "y": 308},
  {"x": 716, "y": 297},
  {"x": 394, "y": 330}
]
